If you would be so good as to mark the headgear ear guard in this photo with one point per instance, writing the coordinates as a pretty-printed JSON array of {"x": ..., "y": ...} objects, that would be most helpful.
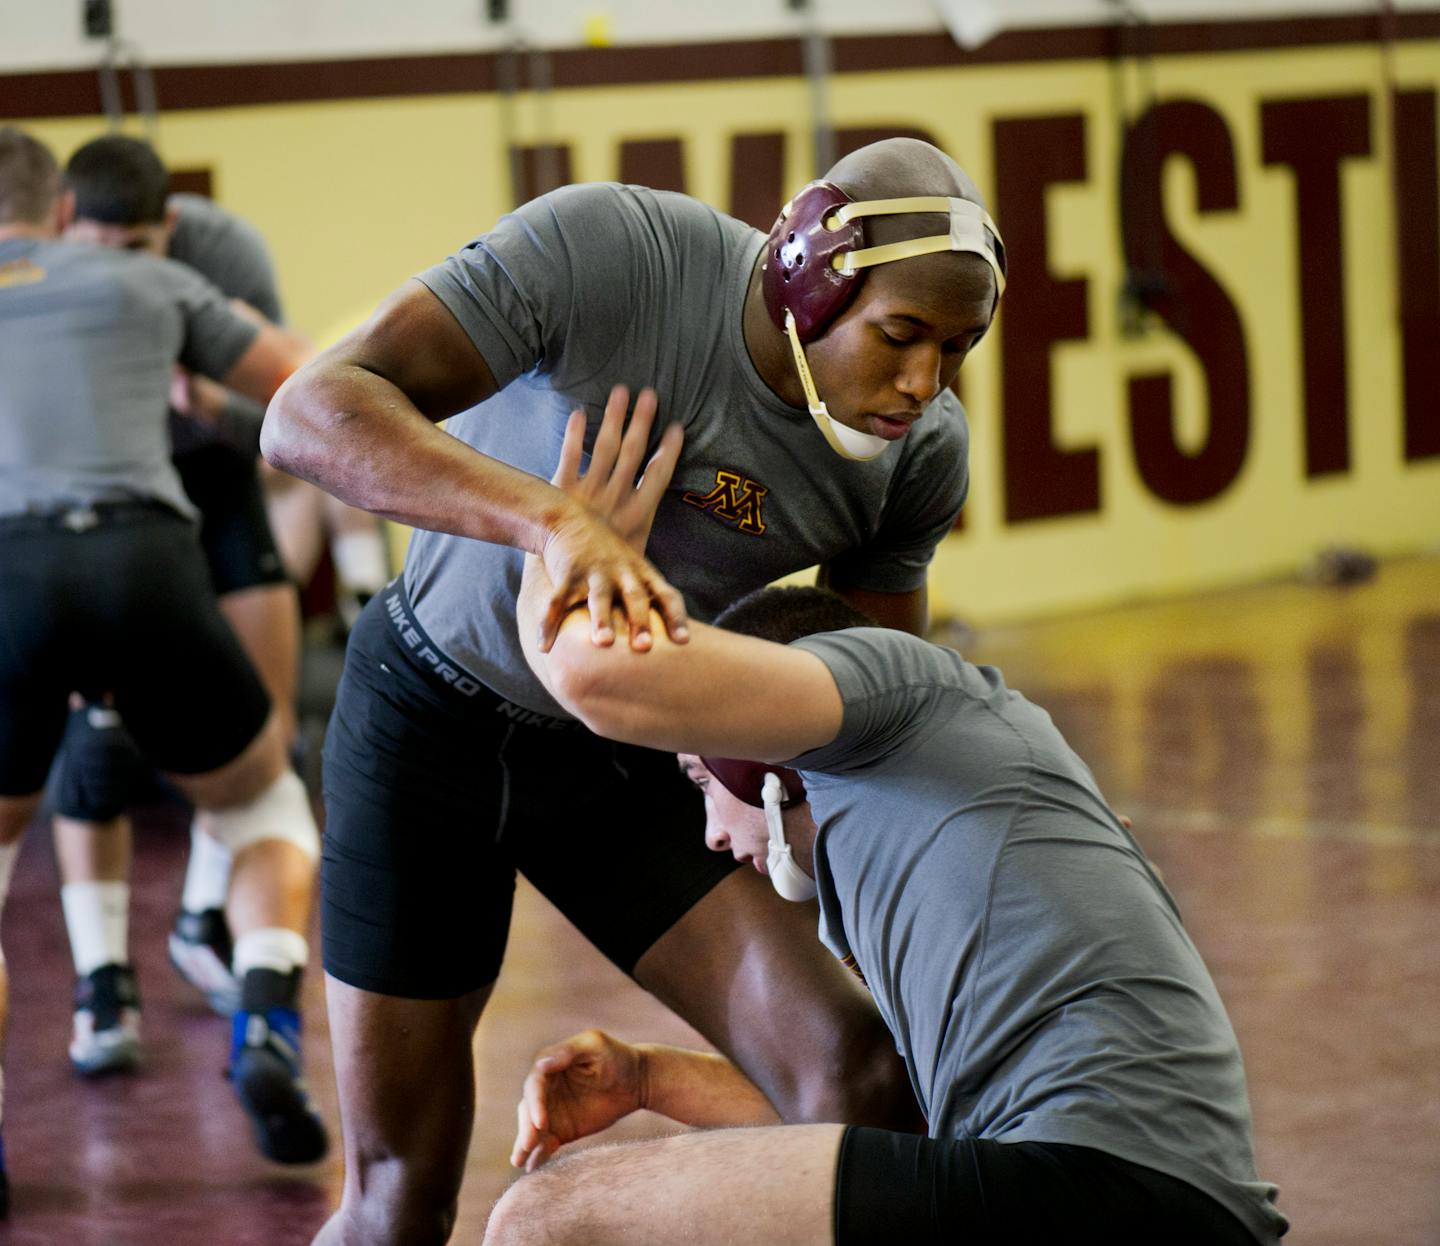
[
  {"x": 815, "y": 250},
  {"x": 745, "y": 779},
  {"x": 770, "y": 788}
]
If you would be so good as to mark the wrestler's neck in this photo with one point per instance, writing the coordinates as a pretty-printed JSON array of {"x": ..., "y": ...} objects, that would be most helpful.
[
  {"x": 25, "y": 229},
  {"x": 43, "y": 230},
  {"x": 766, "y": 345}
]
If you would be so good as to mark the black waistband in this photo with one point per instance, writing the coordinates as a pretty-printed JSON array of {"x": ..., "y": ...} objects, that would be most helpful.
[
  {"x": 441, "y": 670},
  {"x": 87, "y": 517}
]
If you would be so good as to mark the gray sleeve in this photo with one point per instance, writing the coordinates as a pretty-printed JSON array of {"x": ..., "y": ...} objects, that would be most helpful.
[
  {"x": 228, "y": 251},
  {"x": 922, "y": 507},
  {"x": 553, "y": 280},
  {"x": 878, "y": 672},
  {"x": 214, "y": 336}
]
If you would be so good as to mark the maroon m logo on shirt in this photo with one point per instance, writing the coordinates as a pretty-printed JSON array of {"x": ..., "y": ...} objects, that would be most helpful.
[{"x": 735, "y": 499}]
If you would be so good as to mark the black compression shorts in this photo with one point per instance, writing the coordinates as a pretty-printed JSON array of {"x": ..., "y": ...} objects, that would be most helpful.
[
  {"x": 234, "y": 527},
  {"x": 893, "y": 1187},
  {"x": 437, "y": 792},
  {"x": 117, "y": 599}
]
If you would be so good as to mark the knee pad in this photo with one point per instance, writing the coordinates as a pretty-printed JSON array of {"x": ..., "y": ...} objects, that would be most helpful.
[
  {"x": 100, "y": 768},
  {"x": 281, "y": 811}
]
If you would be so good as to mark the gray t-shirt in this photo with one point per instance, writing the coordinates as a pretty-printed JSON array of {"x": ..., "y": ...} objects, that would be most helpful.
[
  {"x": 88, "y": 339},
  {"x": 602, "y": 284},
  {"x": 1032, "y": 967},
  {"x": 229, "y": 252}
]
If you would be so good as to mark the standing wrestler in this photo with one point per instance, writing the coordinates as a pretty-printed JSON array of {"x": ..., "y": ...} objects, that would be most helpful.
[
  {"x": 109, "y": 594},
  {"x": 448, "y": 767},
  {"x": 120, "y": 187}
]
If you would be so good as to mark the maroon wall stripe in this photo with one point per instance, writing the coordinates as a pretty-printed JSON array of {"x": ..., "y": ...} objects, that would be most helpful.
[
  {"x": 1188, "y": 298},
  {"x": 76, "y": 92},
  {"x": 1418, "y": 205},
  {"x": 1042, "y": 479},
  {"x": 655, "y": 162},
  {"x": 1312, "y": 137}
]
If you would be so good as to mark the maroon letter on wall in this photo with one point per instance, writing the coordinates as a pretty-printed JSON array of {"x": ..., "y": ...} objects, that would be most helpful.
[
  {"x": 1312, "y": 137},
  {"x": 756, "y": 163},
  {"x": 1189, "y": 300},
  {"x": 1041, "y": 480},
  {"x": 1418, "y": 199}
]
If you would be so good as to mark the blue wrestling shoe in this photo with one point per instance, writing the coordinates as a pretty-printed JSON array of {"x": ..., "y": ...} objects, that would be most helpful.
[{"x": 265, "y": 1071}]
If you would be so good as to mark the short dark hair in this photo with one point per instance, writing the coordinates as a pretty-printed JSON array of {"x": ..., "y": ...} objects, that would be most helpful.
[
  {"x": 783, "y": 614},
  {"x": 29, "y": 178},
  {"x": 118, "y": 180}
]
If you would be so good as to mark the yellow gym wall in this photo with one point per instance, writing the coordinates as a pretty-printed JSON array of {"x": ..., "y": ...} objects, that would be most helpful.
[{"x": 355, "y": 196}]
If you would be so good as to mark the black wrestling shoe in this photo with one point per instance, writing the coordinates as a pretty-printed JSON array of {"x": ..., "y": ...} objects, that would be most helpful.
[
  {"x": 200, "y": 950},
  {"x": 265, "y": 1071},
  {"x": 107, "y": 1022}
]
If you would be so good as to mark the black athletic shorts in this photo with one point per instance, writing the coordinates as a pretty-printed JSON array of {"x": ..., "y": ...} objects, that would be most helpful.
[
  {"x": 437, "y": 791},
  {"x": 893, "y": 1187},
  {"x": 117, "y": 599},
  {"x": 235, "y": 530}
]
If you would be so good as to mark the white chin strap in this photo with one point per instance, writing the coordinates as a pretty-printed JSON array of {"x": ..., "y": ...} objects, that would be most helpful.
[
  {"x": 846, "y": 442},
  {"x": 970, "y": 231},
  {"x": 788, "y": 879}
]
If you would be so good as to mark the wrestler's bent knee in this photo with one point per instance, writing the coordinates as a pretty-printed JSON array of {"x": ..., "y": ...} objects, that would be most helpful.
[{"x": 532, "y": 1210}]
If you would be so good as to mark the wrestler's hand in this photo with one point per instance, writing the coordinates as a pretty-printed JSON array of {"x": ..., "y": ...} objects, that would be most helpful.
[
  {"x": 600, "y": 551},
  {"x": 574, "y": 1089},
  {"x": 197, "y": 397}
]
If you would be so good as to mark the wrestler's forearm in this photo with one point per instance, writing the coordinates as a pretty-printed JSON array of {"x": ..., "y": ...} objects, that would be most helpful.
[
  {"x": 700, "y": 1089},
  {"x": 779, "y": 702},
  {"x": 359, "y": 438}
]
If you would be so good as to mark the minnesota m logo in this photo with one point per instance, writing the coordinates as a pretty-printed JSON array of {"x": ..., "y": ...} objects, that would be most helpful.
[{"x": 735, "y": 499}]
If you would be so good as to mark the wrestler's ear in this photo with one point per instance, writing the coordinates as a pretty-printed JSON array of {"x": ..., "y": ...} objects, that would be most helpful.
[
  {"x": 170, "y": 220},
  {"x": 64, "y": 210}
]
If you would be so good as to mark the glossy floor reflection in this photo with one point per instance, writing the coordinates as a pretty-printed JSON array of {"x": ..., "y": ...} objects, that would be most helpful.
[{"x": 1279, "y": 751}]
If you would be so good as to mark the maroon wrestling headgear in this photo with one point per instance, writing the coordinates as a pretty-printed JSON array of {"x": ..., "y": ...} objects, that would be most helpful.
[
  {"x": 744, "y": 779},
  {"x": 816, "y": 248}
]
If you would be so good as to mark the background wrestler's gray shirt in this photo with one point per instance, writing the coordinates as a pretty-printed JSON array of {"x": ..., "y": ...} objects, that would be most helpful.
[
  {"x": 229, "y": 252},
  {"x": 602, "y": 284},
  {"x": 88, "y": 338},
  {"x": 1031, "y": 965}
]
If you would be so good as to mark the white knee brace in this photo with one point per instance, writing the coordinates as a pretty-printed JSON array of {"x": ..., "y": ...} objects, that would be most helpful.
[{"x": 281, "y": 811}]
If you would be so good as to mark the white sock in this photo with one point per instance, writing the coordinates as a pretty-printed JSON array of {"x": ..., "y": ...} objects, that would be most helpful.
[
  {"x": 270, "y": 947},
  {"x": 97, "y": 918},
  {"x": 207, "y": 873},
  {"x": 360, "y": 560}
]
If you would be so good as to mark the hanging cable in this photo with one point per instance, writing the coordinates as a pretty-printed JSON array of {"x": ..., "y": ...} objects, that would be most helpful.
[
  {"x": 815, "y": 48},
  {"x": 1146, "y": 281}
]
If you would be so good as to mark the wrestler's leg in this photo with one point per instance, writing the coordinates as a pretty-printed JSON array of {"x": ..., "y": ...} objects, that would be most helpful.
[
  {"x": 416, "y": 903},
  {"x": 266, "y": 618},
  {"x": 773, "y": 1185},
  {"x": 747, "y": 970},
  {"x": 405, "y": 1073}
]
